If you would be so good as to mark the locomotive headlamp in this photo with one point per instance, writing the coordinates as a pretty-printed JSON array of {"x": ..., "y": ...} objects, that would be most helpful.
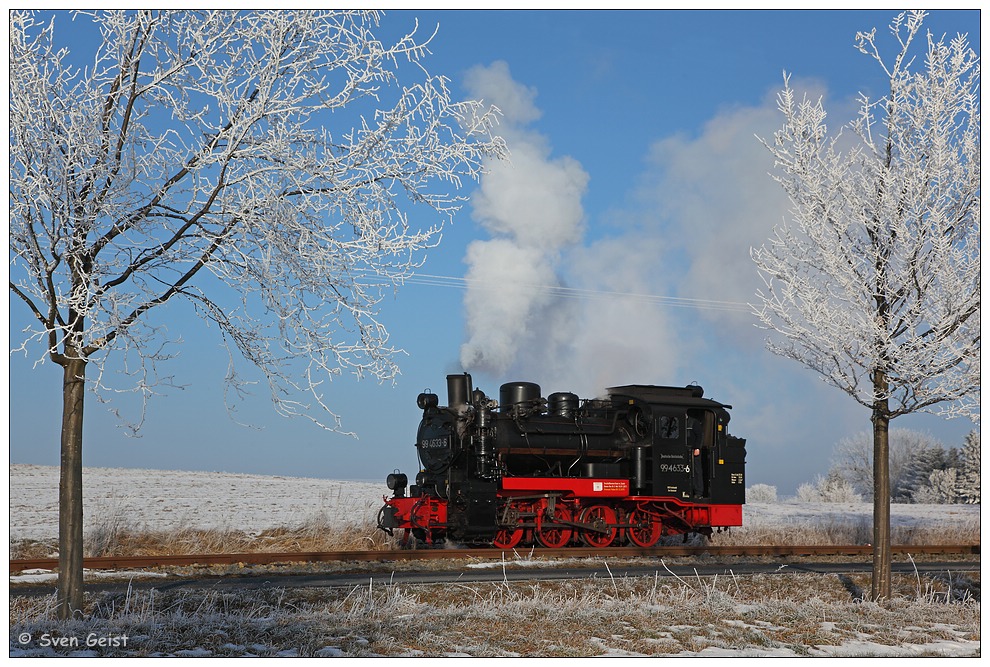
[
  {"x": 397, "y": 482},
  {"x": 425, "y": 401}
]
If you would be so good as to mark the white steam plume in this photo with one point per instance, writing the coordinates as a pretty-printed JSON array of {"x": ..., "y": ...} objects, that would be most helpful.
[{"x": 531, "y": 205}]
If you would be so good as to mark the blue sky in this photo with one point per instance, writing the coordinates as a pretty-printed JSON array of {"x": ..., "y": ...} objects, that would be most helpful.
[{"x": 636, "y": 170}]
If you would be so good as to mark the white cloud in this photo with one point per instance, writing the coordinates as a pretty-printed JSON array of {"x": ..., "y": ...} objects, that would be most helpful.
[
  {"x": 716, "y": 201},
  {"x": 495, "y": 85}
]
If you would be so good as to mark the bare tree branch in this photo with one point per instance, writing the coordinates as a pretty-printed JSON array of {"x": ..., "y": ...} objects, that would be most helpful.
[{"x": 214, "y": 142}]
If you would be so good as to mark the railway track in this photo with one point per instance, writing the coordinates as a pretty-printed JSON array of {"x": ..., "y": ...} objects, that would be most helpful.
[{"x": 144, "y": 562}]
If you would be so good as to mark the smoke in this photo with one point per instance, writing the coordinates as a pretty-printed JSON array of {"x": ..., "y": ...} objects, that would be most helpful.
[
  {"x": 579, "y": 314},
  {"x": 531, "y": 206}
]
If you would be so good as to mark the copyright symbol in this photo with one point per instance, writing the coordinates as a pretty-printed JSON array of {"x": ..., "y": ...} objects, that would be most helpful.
[{"x": 24, "y": 638}]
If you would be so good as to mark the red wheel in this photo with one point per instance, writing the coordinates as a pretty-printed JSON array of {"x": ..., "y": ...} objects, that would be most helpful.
[
  {"x": 600, "y": 516},
  {"x": 554, "y": 537},
  {"x": 644, "y": 529},
  {"x": 507, "y": 538}
]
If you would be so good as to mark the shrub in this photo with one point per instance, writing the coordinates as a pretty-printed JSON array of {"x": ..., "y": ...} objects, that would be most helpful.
[
  {"x": 761, "y": 493},
  {"x": 831, "y": 489}
]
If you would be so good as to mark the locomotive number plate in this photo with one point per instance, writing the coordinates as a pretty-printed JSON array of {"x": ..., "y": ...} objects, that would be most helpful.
[{"x": 434, "y": 443}]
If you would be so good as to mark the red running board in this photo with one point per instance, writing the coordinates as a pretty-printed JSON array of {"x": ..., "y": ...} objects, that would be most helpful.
[{"x": 578, "y": 487}]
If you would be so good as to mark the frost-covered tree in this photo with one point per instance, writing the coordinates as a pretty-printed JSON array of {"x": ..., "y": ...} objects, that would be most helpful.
[
  {"x": 280, "y": 171},
  {"x": 940, "y": 488},
  {"x": 916, "y": 475},
  {"x": 969, "y": 475},
  {"x": 929, "y": 461},
  {"x": 874, "y": 282}
]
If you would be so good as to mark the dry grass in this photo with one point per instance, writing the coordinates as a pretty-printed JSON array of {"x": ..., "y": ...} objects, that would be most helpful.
[
  {"x": 759, "y": 615},
  {"x": 842, "y": 533},
  {"x": 115, "y": 538}
]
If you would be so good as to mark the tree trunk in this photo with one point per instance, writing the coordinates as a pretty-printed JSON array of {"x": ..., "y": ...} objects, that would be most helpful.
[
  {"x": 880, "y": 589},
  {"x": 70, "y": 498}
]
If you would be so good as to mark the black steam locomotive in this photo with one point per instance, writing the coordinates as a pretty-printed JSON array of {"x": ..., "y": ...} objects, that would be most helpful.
[{"x": 643, "y": 462}]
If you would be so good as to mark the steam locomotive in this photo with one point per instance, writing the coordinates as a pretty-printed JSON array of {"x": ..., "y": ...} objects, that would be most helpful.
[{"x": 643, "y": 462}]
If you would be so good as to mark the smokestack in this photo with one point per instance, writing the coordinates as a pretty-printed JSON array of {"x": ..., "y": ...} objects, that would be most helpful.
[{"x": 458, "y": 390}]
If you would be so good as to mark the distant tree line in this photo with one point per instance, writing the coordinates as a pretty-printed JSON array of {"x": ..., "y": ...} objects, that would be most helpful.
[{"x": 922, "y": 470}]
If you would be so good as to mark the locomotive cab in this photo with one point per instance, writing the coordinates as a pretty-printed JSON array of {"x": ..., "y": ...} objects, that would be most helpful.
[{"x": 692, "y": 456}]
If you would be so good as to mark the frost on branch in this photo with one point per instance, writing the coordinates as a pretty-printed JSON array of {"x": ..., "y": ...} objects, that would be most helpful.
[
  {"x": 877, "y": 273},
  {"x": 268, "y": 168}
]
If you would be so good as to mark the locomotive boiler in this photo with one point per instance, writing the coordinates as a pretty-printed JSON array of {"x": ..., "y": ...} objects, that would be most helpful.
[{"x": 640, "y": 463}]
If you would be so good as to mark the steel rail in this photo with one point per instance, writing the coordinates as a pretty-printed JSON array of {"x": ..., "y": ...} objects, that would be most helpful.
[{"x": 142, "y": 562}]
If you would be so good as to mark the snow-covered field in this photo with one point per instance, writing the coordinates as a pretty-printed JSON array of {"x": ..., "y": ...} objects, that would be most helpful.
[
  {"x": 901, "y": 516},
  {"x": 167, "y": 499},
  {"x": 761, "y": 616},
  {"x": 164, "y": 499}
]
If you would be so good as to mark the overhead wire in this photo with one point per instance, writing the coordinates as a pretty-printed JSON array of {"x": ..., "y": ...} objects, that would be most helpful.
[{"x": 579, "y": 293}]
